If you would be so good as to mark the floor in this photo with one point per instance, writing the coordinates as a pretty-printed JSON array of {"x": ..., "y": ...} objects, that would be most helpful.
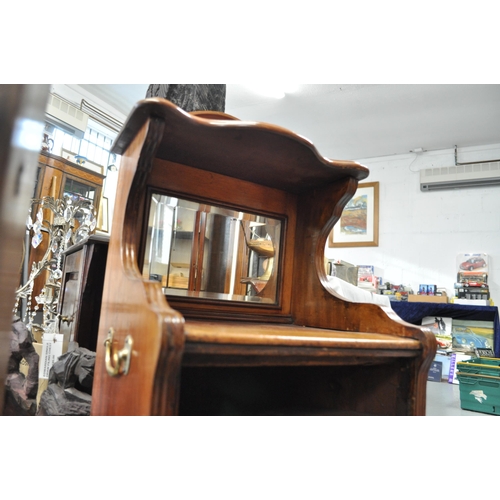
[{"x": 443, "y": 399}]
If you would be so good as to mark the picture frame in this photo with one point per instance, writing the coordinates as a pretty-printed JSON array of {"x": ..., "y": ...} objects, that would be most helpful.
[
  {"x": 103, "y": 217},
  {"x": 358, "y": 224}
]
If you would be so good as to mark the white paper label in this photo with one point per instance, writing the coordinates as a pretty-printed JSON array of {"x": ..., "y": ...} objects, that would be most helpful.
[{"x": 52, "y": 344}]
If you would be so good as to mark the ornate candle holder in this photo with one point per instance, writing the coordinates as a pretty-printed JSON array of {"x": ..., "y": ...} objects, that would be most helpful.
[{"x": 70, "y": 220}]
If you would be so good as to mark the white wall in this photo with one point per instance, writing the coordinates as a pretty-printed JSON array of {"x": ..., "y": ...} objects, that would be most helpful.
[{"x": 421, "y": 233}]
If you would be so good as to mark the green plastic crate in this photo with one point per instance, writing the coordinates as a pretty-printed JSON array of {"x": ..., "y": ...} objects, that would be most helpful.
[
  {"x": 483, "y": 366},
  {"x": 479, "y": 392}
]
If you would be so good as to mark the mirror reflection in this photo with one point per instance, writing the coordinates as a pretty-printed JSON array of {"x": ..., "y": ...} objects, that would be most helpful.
[{"x": 199, "y": 250}]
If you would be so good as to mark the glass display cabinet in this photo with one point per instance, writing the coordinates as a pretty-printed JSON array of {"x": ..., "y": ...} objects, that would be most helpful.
[
  {"x": 57, "y": 177},
  {"x": 216, "y": 298}
]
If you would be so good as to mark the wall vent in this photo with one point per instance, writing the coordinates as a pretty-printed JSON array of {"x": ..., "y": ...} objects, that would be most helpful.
[
  {"x": 66, "y": 116},
  {"x": 460, "y": 176}
]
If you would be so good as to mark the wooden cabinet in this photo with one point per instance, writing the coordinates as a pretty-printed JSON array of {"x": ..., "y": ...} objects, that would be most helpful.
[
  {"x": 56, "y": 177},
  {"x": 302, "y": 349},
  {"x": 81, "y": 292}
]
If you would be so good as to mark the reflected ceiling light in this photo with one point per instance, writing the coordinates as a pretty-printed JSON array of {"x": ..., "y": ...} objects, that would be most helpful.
[{"x": 27, "y": 134}]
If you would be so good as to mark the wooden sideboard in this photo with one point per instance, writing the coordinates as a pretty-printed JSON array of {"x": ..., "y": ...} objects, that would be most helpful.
[{"x": 300, "y": 349}]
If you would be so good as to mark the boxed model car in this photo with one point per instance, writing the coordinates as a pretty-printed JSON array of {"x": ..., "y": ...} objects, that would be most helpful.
[{"x": 477, "y": 262}]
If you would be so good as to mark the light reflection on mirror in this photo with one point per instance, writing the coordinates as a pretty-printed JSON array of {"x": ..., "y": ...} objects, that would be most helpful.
[{"x": 205, "y": 251}]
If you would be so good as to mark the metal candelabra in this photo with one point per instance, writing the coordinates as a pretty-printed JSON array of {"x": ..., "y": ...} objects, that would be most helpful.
[{"x": 70, "y": 220}]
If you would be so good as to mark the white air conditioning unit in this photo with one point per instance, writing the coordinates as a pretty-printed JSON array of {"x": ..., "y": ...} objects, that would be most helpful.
[
  {"x": 66, "y": 116},
  {"x": 460, "y": 176}
]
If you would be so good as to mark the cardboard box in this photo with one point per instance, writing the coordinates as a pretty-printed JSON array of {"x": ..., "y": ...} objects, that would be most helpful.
[
  {"x": 428, "y": 298},
  {"x": 347, "y": 273},
  {"x": 339, "y": 268}
]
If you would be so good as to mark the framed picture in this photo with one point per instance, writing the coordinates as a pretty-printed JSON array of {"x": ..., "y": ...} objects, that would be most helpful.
[
  {"x": 102, "y": 217},
  {"x": 358, "y": 224}
]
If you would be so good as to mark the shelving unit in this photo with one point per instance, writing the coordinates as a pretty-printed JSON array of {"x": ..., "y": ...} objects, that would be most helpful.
[{"x": 302, "y": 350}]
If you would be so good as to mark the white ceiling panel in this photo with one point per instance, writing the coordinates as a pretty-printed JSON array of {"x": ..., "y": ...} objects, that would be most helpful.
[{"x": 353, "y": 121}]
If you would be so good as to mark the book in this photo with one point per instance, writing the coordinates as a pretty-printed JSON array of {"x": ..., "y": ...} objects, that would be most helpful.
[
  {"x": 435, "y": 371},
  {"x": 442, "y": 328}
]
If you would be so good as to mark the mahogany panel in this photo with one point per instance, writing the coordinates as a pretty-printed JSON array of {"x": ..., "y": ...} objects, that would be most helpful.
[
  {"x": 133, "y": 306},
  {"x": 257, "y": 152},
  {"x": 197, "y": 184},
  {"x": 320, "y": 306},
  {"x": 236, "y": 333}
]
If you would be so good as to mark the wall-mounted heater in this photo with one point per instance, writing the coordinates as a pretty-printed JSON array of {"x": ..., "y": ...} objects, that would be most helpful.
[
  {"x": 460, "y": 176},
  {"x": 65, "y": 116}
]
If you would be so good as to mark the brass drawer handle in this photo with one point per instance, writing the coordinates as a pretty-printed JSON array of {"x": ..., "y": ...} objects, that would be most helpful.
[{"x": 117, "y": 363}]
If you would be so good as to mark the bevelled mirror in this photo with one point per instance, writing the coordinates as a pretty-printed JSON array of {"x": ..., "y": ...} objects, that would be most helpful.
[{"x": 206, "y": 251}]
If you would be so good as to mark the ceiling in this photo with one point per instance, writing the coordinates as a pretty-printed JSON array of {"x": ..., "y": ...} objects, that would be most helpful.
[{"x": 359, "y": 121}]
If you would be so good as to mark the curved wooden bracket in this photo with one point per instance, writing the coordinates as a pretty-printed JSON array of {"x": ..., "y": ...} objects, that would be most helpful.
[{"x": 135, "y": 307}]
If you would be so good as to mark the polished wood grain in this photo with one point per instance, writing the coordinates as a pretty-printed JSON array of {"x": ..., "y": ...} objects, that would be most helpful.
[
  {"x": 257, "y": 152},
  {"x": 311, "y": 352},
  {"x": 315, "y": 307},
  {"x": 131, "y": 305},
  {"x": 264, "y": 334}
]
